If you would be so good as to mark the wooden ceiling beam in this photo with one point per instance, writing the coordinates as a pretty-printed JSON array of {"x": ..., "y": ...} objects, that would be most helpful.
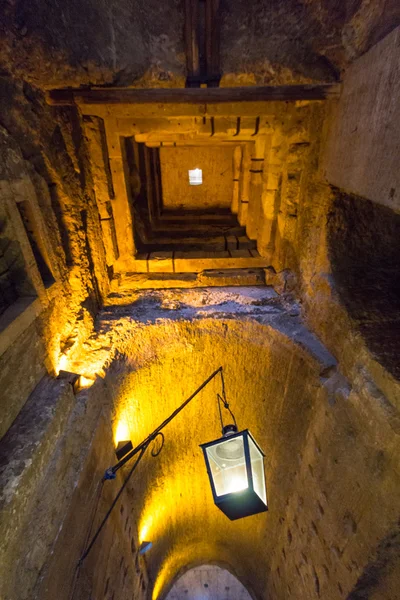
[
  {"x": 282, "y": 93},
  {"x": 212, "y": 42},
  {"x": 192, "y": 41}
]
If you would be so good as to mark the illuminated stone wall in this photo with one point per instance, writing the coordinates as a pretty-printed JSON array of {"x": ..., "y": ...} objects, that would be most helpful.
[
  {"x": 330, "y": 448},
  {"x": 311, "y": 367},
  {"x": 259, "y": 340},
  {"x": 51, "y": 243},
  {"x": 52, "y": 462},
  {"x": 215, "y": 191}
]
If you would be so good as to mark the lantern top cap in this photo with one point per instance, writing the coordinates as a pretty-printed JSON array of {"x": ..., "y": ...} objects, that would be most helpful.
[{"x": 228, "y": 430}]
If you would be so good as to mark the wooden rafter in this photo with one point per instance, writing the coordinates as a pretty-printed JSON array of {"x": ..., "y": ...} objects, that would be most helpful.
[
  {"x": 202, "y": 43},
  {"x": 193, "y": 96}
]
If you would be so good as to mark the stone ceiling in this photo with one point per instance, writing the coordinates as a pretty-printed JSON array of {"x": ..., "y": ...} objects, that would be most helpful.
[{"x": 142, "y": 42}]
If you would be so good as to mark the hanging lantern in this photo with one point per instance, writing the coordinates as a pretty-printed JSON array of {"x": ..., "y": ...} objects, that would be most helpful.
[{"x": 235, "y": 466}]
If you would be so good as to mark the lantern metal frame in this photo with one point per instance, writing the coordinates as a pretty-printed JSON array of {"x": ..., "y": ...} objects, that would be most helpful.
[{"x": 242, "y": 503}]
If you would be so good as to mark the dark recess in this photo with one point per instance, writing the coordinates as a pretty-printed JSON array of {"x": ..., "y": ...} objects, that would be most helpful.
[{"x": 364, "y": 244}]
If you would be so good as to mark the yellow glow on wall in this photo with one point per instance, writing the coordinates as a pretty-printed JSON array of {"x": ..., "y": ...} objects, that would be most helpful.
[
  {"x": 145, "y": 529},
  {"x": 155, "y": 514},
  {"x": 85, "y": 382},
  {"x": 162, "y": 578},
  {"x": 121, "y": 432},
  {"x": 62, "y": 363}
]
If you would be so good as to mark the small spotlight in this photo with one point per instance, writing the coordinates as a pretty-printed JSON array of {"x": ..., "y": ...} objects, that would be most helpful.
[
  {"x": 85, "y": 382},
  {"x": 123, "y": 448},
  {"x": 71, "y": 378},
  {"x": 144, "y": 547}
]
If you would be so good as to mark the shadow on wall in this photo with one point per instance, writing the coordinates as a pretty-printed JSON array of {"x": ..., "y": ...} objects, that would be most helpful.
[{"x": 364, "y": 244}]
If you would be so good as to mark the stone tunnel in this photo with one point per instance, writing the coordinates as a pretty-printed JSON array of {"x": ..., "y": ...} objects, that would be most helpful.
[{"x": 185, "y": 186}]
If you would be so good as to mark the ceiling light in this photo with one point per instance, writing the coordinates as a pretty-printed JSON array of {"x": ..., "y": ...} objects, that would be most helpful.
[{"x": 195, "y": 177}]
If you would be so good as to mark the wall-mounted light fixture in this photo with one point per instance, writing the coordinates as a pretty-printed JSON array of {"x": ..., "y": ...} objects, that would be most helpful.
[
  {"x": 77, "y": 381},
  {"x": 123, "y": 448},
  {"x": 235, "y": 465},
  {"x": 145, "y": 547}
]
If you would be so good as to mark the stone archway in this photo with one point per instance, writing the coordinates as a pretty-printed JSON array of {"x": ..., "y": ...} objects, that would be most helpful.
[
  {"x": 208, "y": 581},
  {"x": 272, "y": 366}
]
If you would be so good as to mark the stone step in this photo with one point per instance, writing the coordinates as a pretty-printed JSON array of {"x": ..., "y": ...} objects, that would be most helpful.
[
  {"x": 192, "y": 229},
  {"x": 228, "y": 219},
  {"x": 198, "y": 244},
  {"x": 191, "y": 262},
  {"x": 122, "y": 287},
  {"x": 212, "y": 214}
]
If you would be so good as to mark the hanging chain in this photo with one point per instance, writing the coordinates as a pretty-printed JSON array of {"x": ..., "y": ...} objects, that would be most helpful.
[{"x": 222, "y": 400}]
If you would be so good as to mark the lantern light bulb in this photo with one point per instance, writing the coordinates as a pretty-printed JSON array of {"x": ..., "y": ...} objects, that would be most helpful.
[{"x": 236, "y": 484}]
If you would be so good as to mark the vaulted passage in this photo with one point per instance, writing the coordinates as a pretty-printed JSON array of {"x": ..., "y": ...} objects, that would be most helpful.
[
  {"x": 208, "y": 581},
  {"x": 199, "y": 300}
]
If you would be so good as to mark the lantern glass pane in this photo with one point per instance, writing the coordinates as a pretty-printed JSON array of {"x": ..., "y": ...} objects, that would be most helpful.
[
  {"x": 228, "y": 466},
  {"x": 257, "y": 468}
]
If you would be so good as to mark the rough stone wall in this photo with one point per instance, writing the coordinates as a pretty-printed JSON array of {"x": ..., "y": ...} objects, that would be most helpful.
[
  {"x": 52, "y": 501},
  {"x": 363, "y": 148},
  {"x": 43, "y": 169},
  {"x": 73, "y": 43},
  {"x": 342, "y": 512},
  {"x": 258, "y": 41},
  {"x": 366, "y": 265},
  {"x": 142, "y": 43},
  {"x": 348, "y": 266},
  {"x": 339, "y": 253},
  {"x": 347, "y": 243},
  {"x": 291, "y": 167}
]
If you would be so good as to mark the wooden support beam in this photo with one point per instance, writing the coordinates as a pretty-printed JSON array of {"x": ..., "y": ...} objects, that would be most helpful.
[
  {"x": 192, "y": 40},
  {"x": 150, "y": 192},
  {"x": 212, "y": 43},
  {"x": 156, "y": 168},
  {"x": 193, "y": 95}
]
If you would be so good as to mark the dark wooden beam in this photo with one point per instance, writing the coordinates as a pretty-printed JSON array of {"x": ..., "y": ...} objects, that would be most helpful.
[
  {"x": 156, "y": 173},
  {"x": 193, "y": 96},
  {"x": 212, "y": 43},
  {"x": 192, "y": 40}
]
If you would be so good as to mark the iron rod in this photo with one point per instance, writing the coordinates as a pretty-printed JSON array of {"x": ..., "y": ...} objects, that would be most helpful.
[
  {"x": 154, "y": 434},
  {"x": 142, "y": 447}
]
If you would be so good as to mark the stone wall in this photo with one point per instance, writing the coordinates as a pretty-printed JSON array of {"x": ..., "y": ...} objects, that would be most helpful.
[
  {"x": 53, "y": 264},
  {"x": 51, "y": 464},
  {"x": 363, "y": 148},
  {"x": 330, "y": 427},
  {"x": 117, "y": 43},
  {"x": 142, "y": 43},
  {"x": 275, "y": 43},
  {"x": 342, "y": 512},
  {"x": 348, "y": 265}
]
